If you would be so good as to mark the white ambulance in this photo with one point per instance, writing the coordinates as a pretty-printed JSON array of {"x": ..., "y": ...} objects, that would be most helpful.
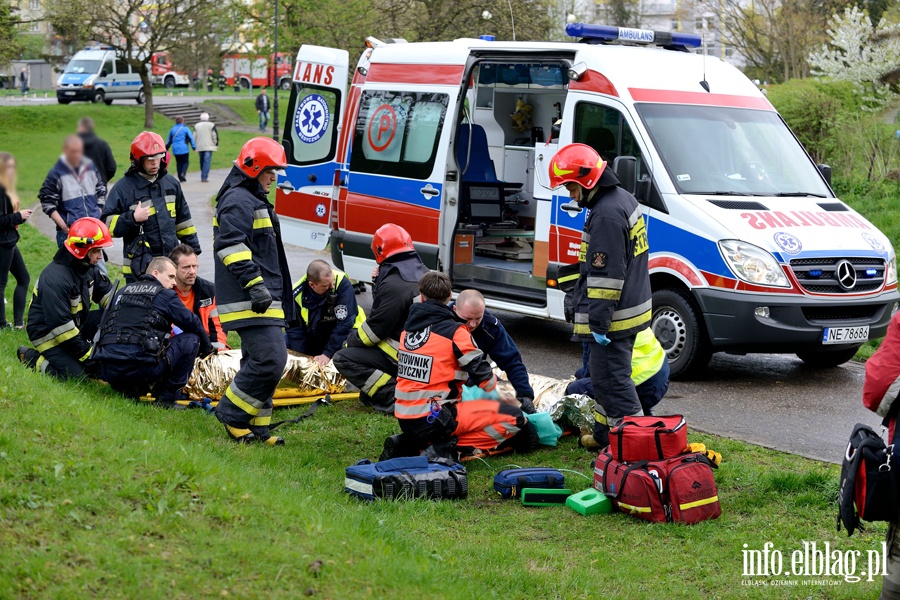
[{"x": 750, "y": 249}]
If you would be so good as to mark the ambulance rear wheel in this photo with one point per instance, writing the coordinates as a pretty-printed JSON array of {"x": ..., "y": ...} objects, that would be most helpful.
[
  {"x": 678, "y": 326},
  {"x": 828, "y": 360}
]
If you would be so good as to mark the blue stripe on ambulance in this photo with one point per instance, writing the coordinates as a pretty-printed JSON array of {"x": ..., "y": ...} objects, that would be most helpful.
[{"x": 398, "y": 189}]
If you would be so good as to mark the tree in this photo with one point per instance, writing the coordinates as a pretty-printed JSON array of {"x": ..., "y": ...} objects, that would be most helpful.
[
  {"x": 9, "y": 34},
  {"x": 853, "y": 54},
  {"x": 137, "y": 29},
  {"x": 774, "y": 36}
]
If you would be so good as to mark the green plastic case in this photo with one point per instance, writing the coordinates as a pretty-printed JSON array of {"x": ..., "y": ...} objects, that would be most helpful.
[{"x": 544, "y": 497}]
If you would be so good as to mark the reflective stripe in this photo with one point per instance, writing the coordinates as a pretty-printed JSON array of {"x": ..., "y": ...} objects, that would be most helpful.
[
  {"x": 367, "y": 336},
  {"x": 227, "y": 255},
  {"x": 389, "y": 347},
  {"x": 581, "y": 328},
  {"x": 586, "y": 237},
  {"x": 358, "y": 486},
  {"x": 582, "y": 318},
  {"x": 249, "y": 314},
  {"x": 86, "y": 356},
  {"x": 261, "y": 420},
  {"x": 253, "y": 282},
  {"x": 606, "y": 283},
  {"x": 57, "y": 336},
  {"x": 245, "y": 402},
  {"x": 468, "y": 357},
  {"x": 376, "y": 381},
  {"x": 214, "y": 313},
  {"x": 635, "y": 217},
  {"x": 495, "y": 435},
  {"x": 601, "y": 418},
  {"x": 184, "y": 225},
  {"x": 634, "y": 509},
  {"x": 887, "y": 401},
  {"x": 460, "y": 375},
  {"x": 215, "y": 221},
  {"x": 261, "y": 219},
  {"x": 111, "y": 222},
  {"x": 627, "y": 313},
  {"x": 414, "y": 395},
  {"x": 107, "y": 297},
  {"x": 232, "y": 307},
  {"x": 170, "y": 206},
  {"x": 568, "y": 278},
  {"x": 599, "y": 294},
  {"x": 126, "y": 269},
  {"x": 630, "y": 323},
  {"x": 41, "y": 364},
  {"x": 697, "y": 503},
  {"x": 186, "y": 231},
  {"x": 151, "y": 211}
]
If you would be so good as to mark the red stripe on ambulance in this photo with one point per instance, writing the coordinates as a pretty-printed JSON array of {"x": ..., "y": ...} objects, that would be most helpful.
[
  {"x": 673, "y": 264},
  {"x": 412, "y": 73},
  {"x": 701, "y": 98},
  {"x": 365, "y": 214}
]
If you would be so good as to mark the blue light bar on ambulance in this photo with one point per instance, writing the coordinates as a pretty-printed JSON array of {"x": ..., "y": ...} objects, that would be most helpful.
[{"x": 608, "y": 33}]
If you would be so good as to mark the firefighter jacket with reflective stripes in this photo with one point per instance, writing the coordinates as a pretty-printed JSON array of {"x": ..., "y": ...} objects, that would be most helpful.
[
  {"x": 169, "y": 223},
  {"x": 396, "y": 289},
  {"x": 613, "y": 289},
  {"x": 137, "y": 326},
  {"x": 647, "y": 358},
  {"x": 249, "y": 251},
  {"x": 325, "y": 320},
  {"x": 437, "y": 356},
  {"x": 62, "y": 298},
  {"x": 205, "y": 308},
  {"x": 882, "y": 384}
]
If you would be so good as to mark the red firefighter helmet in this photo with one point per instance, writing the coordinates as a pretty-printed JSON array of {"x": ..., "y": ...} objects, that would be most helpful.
[
  {"x": 576, "y": 163},
  {"x": 85, "y": 234},
  {"x": 260, "y": 154},
  {"x": 148, "y": 143},
  {"x": 389, "y": 240}
]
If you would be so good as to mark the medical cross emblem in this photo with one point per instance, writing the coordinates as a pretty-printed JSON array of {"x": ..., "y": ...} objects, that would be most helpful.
[{"x": 312, "y": 119}]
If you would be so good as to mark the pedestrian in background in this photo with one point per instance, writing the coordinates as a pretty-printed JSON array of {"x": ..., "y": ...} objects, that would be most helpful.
[
  {"x": 23, "y": 80},
  {"x": 181, "y": 141},
  {"x": 11, "y": 216},
  {"x": 207, "y": 138},
  {"x": 209, "y": 80},
  {"x": 97, "y": 149},
  {"x": 73, "y": 189},
  {"x": 262, "y": 109}
]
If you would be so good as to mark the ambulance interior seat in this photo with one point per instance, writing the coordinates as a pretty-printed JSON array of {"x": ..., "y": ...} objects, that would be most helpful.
[{"x": 477, "y": 171}]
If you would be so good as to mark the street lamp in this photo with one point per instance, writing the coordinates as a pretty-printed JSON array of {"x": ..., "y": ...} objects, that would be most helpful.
[{"x": 275, "y": 81}]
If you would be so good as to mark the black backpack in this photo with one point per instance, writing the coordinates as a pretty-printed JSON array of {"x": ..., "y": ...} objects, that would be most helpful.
[{"x": 868, "y": 488}]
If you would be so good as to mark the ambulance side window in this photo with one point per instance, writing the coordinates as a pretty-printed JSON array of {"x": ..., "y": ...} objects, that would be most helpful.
[
  {"x": 397, "y": 133},
  {"x": 606, "y": 131},
  {"x": 310, "y": 137}
]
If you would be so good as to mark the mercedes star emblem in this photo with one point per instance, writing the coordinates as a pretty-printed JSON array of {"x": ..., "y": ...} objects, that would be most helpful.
[{"x": 845, "y": 273}]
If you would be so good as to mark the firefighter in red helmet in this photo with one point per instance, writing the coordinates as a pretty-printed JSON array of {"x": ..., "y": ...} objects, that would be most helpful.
[
  {"x": 147, "y": 209},
  {"x": 612, "y": 295},
  {"x": 370, "y": 359},
  {"x": 61, "y": 324},
  {"x": 253, "y": 288}
]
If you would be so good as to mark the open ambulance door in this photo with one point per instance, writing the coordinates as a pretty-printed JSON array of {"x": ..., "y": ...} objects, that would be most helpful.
[{"x": 315, "y": 109}]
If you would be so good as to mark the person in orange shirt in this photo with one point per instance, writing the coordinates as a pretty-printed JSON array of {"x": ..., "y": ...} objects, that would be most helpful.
[
  {"x": 197, "y": 294},
  {"x": 437, "y": 356}
]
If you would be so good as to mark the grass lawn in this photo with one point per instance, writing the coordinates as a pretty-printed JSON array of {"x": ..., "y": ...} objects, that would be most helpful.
[
  {"x": 102, "y": 497},
  {"x": 34, "y": 134},
  {"x": 245, "y": 108}
]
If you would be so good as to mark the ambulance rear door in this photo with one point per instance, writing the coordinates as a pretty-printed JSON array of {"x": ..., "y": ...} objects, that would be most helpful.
[
  {"x": 398, "y": 160},
  {"x": 315, "y": 109}
]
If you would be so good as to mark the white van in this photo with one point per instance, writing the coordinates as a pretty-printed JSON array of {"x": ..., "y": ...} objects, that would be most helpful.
[
  {"x": 97, "y": 74},
  {"x": 750, "y": 249}
]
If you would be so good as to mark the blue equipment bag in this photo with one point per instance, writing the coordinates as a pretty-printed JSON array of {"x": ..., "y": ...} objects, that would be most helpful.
[
  {"x": 511, "y": 482},
  {"x": 407, "y": 477}
]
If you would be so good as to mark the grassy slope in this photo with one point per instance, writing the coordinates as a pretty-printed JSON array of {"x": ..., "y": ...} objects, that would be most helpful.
[
  {"x": 34, "y": 134},
  {"x": 246, "y": 107},
  {"x": 103, "y": 497}
]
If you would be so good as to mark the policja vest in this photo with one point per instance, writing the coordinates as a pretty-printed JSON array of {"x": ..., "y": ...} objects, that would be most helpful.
[{"x": 132, "y": 320}]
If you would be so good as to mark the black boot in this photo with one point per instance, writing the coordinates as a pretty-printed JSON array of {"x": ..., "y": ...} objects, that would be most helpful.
[{"x": 398, "y": 445}]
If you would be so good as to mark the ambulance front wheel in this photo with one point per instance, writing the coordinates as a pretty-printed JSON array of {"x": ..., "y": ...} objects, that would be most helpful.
[
  {"x": 678, "y": 326},
  {"x": 828, "y": 360}
]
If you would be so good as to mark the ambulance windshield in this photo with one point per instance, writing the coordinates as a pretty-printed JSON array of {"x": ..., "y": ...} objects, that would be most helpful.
[{"x": 726, "y": 151}]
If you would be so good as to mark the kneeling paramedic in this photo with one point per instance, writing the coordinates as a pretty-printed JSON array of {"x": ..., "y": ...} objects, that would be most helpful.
[
  {"x": 328, "y": 311},
  {"x": 612, "y": 294},
  {"x": 370, "y": 359},
  {"x": 649, "y": 373},
  {"x": 252, "y": 282},
  {"x": 437, "y": 356},
  {"x": 61, "y": 324},
  {"x": 136, "y": 351}
]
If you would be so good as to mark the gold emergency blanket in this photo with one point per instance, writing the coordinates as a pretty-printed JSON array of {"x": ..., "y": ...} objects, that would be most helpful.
[
  {"x": 550, "y": 397},
  {"x": 303, "y": 377}
]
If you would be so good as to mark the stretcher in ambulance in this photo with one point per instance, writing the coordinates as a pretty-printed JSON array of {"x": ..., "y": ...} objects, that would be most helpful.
[{"x": 750, "y": 249}]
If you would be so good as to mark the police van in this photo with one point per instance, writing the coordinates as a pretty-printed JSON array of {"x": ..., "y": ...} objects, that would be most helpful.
[
  {"x": 98, "y": 74},
  {"x": 750, "y": 249}
]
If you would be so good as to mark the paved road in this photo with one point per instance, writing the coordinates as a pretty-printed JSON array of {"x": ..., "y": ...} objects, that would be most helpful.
[{"x": 774, "y": 401}]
